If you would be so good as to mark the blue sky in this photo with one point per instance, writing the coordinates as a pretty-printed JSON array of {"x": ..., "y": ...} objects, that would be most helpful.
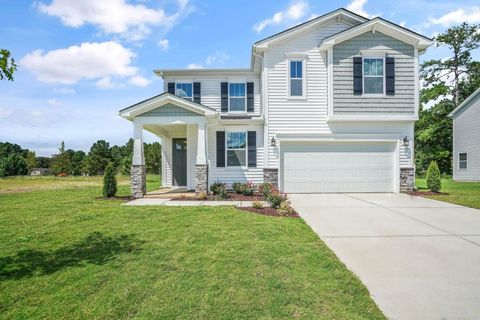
[{"x": 82, "y": 61}]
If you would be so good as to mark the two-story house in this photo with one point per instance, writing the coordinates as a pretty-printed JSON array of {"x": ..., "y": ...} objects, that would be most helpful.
[{"x": 326, "y": 106}]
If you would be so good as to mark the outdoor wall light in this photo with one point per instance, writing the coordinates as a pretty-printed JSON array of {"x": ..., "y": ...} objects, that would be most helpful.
[
  {"x": 405, "y": 141},
  {"x": 273, "y": 142}
]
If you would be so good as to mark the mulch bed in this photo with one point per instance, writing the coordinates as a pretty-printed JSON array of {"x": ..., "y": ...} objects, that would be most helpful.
[
  {"x": 231, "y": 197},
  {"x": 268, "y": 211},
  {"x": 426, "y": 193}
]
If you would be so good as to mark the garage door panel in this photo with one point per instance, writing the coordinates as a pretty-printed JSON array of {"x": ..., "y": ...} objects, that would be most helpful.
[{"x": 338, "y": 167}]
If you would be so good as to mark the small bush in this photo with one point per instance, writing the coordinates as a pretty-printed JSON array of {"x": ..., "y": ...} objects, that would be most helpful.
[
  {"x": 219, "y": 190},
  {"x": 202, "y": 196},
  {"x": 109, "y": 181},
  {"x": 248, "y": 189},
  {"x": 238, "y": 187},
  {"x": 257, "y": 204},
  {"x": 266, "y": 189},
  {"x": 276, "y": 198},
  {"x": 434, "y": 180},
  {"x": 286, "y": 209}
]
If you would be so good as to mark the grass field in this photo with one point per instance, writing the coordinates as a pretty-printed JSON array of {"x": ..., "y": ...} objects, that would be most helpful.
[
  {"x": 462, "y": 193},
  {"x": 64, "y": 254}
]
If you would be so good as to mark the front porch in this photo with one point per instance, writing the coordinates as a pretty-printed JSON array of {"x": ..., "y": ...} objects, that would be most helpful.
[{"x": 181, "y": 126}]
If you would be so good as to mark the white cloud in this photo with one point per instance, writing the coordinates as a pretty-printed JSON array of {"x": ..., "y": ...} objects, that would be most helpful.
[
  {"x": 164, "y": 44},
  {"x": 64, "y": 90},
  {"x": 139, "y": 81},
  {"x": 54, "y": 102},
  {"x": 132, "y": 21},
  {"x": 194, "y": 66},
  {"x": 105, "y": 83},
  {"x": 218, "y": 57},
  {"x": 293, "y": 13},
  {"x": 357, "y": 7},
  {"x": 75, "y": 63},
  {"x": 461, "y": 15}
]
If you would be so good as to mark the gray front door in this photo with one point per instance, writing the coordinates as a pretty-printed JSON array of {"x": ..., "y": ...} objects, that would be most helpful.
[{"x": 179, "y": 162}]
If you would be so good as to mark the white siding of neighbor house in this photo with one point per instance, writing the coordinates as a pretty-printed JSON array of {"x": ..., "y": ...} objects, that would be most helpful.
[
  {"x": 466, "y": 138},
  {"x": 345, "y": 102},
  {"x": 234, "y": 174},
  {"x": 210, "y": 88},
  {"x": 297, "y": 115}
]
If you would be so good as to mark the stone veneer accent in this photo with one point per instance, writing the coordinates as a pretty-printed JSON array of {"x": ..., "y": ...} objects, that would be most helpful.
[
  {"x": 407, "y": 179},
  {"x": 271, "y": 176},
  {"x": 201, "y": 178},
  {"x": 138, "y": 181}
]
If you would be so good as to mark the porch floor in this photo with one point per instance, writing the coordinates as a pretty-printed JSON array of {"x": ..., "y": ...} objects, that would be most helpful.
[{"x": 169, "y": 193}]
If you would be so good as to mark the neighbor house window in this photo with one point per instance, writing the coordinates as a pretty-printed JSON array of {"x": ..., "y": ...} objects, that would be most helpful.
[
  {"x": 236, "y": 149},
  {"x": 236, "y": 92},
  {"x": 373, "y": 76},
  {"x": 296, "y": 79},
  {"x": 462, "y": 160},
  {"x": 184, "y": 90}
]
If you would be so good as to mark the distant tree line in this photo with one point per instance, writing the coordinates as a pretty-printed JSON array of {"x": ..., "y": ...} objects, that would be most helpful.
[{"x": 16, "y": 161}]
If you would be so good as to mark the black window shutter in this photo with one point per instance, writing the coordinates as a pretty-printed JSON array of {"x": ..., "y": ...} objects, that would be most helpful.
[
  {"x": 390, "y": 76},
  {"x": 197, "y": 92},
  {"x": 171, "y": 87},
  {"x": 224, "y": 96},
  {"x": 357, "y": 76},
  {"x": 220, "y": 149},
  {"x": 252, "y": 149},
  {"x": 250, "y": 106}
]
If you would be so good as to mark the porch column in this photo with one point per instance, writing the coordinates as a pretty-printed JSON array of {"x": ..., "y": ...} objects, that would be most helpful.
[
  {"x": 201, "y": 166},
  {"x": 138, "y": 183}
]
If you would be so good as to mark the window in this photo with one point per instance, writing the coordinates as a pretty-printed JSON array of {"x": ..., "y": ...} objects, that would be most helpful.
[
  {"x": 236, "y": 93},
  {"x": 296, "y": 79},
  {"x": 184, "y": 90},
  {"x": 236, "y": 149},
  {"x": 462, "y": 160},
  {"x": 373, "y": 76}
]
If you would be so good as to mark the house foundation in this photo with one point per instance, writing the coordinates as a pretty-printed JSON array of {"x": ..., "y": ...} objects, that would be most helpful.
[{"x": 138, "y": 181}]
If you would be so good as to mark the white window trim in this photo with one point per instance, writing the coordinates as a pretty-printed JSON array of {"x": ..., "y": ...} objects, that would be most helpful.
[
  {"x": 227, "y": 149},
  {"x": 304, "y": 79},
  {"x": 184, "y": 82},
  {"x": 466, "y": 161},
  {"x": 245, "y": 97},
  {"x": 384, "y": 77}
]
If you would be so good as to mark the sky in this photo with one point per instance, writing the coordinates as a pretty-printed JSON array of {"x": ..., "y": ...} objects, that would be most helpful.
[{"x": 79, "y": 62}]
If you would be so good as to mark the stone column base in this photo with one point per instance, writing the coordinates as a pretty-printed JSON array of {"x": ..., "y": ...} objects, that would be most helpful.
[
  {"x": 201, "y": 178},
  {"x": 271, "y": 176},
  {"x": 407, "y": 179},
  {"x": 138, "y": 181}
]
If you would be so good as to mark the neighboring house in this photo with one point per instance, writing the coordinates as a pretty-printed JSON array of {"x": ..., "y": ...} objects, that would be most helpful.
[
  {"x": 39, "y": 172},
  {"x": 466, "y": 139},
  {"x": 326, "y": 106}
]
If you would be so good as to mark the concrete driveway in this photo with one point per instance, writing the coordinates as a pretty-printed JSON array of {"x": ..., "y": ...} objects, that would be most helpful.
[{"x": 419, "y": 258}]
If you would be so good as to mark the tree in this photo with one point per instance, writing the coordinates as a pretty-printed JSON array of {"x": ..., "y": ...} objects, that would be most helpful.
[
  {"x": 110, "y": 181},
  {"x": 434, "y": 181},
  {"x": 77, "y": 158},
  {"x": 31, "y": 160},
  {"x": 153, "y": 157},
  {"x": 98, "y": 158},
  {"x": 61, "y": 162},
  {"x": 7, "y": 65},
  {"x": 447, "y": 82},
  {"x": 43, "y": 162},
  {"x": 13, "y": 165}
]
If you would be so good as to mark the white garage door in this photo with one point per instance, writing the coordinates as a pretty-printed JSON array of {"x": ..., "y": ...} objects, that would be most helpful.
[{"x": 337, "y": 167}]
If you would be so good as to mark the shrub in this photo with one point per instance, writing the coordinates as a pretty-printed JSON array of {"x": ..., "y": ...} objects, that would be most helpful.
[
  {"x": 286, "y": 209},
  {"x": 109, "y": 181},
  {"x": 434, "y": 181},
  {"x": 266, "y": 189},
  {"x": 238, "y": 187},
  {"x": 257, "y": 204},
  {"x": 248, "y": 189},
  {"x": 219, "y": 189},
  {"x": 276, "y": 198},
  {"x": 202, "y": 196}
]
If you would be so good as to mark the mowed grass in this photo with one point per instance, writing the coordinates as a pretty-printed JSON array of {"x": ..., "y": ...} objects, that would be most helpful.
[
  {"x": 64, "y": 254},
  {"x": 462, "y": 193}
]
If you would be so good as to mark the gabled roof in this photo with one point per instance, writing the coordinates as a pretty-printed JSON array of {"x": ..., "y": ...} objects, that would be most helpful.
[
  {"x": 465, "y": 103},
  {"x": 341, "y": 13},
  {"x": 383, "y": 26},
  {"x": 163, "y": 99}
]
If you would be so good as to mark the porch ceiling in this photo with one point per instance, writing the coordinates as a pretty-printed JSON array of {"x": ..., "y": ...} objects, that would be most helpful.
[{"x": 167, "y": 130}]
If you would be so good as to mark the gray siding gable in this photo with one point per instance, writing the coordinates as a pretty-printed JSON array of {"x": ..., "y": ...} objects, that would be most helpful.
[
  {"x": 170, "y": 110},
  {"x": 344, "y": 101}
]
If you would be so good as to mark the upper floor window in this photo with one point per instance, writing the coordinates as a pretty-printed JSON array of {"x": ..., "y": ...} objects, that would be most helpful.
[
  {"x": 236, "y": 92},
  {"x": 236, "y": 149},
  {"x": 296, "y": 81},
  {"x": 184, "y": 90},
  {"x": 462, "y": 160},
  {"x": 373, "y": 76}
]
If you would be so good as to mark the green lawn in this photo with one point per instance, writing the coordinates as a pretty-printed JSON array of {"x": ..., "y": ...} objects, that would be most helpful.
[
  {"x": 66, "y": 255},
  {"x": 462, "y": 193}
]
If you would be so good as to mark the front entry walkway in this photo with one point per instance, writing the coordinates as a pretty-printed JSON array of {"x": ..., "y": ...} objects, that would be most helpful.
[{"x": 419, "y": 258}]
